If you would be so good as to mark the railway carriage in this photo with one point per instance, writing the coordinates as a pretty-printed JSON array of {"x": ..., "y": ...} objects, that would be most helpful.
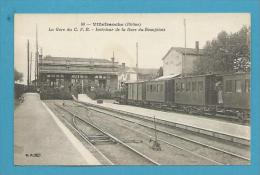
[
  {"x": 195, "y": 93},
  {"x": 236, "y": 93},
  {"x": 160, "y": 92},
  {"x": 136, "y": 92}
]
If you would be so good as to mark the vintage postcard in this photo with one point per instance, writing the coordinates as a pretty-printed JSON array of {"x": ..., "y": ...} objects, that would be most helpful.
[{"x": 132, "y": 89}]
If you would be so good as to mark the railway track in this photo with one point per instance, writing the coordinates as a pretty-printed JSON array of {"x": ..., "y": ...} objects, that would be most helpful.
[
  {"x": 109, "y": 148},
  {"x": 221, "y": 153}
]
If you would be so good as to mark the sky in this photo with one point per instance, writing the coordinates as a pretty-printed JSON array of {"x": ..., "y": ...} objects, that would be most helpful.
[{"x": 152, "y": 45}]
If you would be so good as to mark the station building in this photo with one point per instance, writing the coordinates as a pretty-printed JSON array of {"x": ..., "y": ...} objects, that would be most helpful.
[
  {"x": 179, "y": 60},
  {"x": 88, "y": 73}
]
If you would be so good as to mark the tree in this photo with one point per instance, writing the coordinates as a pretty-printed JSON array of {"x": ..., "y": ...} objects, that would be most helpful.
[
  {"x": 226, "y": 53},
  {"x": 18, "y": 76}
]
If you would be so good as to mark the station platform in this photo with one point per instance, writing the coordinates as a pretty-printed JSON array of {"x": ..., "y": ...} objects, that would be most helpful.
[
  {"x": 212, "y": 127},
  {"x": 40, "y": 138}
]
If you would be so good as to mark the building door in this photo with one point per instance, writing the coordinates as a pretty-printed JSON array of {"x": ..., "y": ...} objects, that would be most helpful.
[{"x": 102, "y": 84}]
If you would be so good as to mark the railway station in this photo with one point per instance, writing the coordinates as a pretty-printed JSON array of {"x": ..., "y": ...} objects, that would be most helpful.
[
  {"x": 170, "y": 120},
  {"x": 192, "y": 109},
  {"x": 88, "y": 73}
]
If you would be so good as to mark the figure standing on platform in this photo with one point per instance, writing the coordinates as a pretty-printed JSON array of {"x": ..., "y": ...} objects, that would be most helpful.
[{"x": 219, "y": 89}]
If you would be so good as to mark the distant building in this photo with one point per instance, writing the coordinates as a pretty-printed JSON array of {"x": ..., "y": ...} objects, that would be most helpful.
[
  {"x": 129, "y": 74},
  {"x": 146, "y": 73},
  {"x": 179, "y": 60},
  {"x": 68, "y": 72}
]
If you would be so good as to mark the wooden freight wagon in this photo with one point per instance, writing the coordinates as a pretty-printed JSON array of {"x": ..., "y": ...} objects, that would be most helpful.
[{"x": 136, "y": 92}]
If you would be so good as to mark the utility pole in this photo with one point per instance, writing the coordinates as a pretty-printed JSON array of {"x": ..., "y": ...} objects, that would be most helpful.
[
  {"x": 36, "y": 57},
  {"x": 28, "y": 60},
  {"x": 137, "y": 71},
  {"x": 183, "y": 58},
  {"x": 30, "y": 77}
]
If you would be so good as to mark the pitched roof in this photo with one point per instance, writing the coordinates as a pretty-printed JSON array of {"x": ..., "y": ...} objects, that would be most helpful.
[
  {"x": 76, "y": 59},
  {"x": 187, "y": 51}
]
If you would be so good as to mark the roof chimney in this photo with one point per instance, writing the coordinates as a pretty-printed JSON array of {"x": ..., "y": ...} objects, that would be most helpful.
[
  {"x": 113, "y": 60},
  {"x": 197, "y": 47},
  {"x": 123, "y": 65}
]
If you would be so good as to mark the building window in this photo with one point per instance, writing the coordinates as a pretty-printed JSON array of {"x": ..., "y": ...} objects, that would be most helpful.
[
  {"x": 228, "y": 87},
  {"x": 200, "y": 85},
  {"x": 247, "y": 85},
  {"x": 238, "y": 86}
]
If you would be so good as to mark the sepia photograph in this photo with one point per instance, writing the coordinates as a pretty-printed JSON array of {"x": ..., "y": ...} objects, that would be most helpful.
[{"x": 132, "y": 89}]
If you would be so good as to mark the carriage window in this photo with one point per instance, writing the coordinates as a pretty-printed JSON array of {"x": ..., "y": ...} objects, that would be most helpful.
[
  {"x": 177, "y": 87},
  {"x": 228, "y": 87},
  {"x": 247, "y": 85},
  {"x": 182, "y": 86},
  {"x": 200, "y": 85},
  {"x": 154, "y": 87},
  {"x": 238, "y": 86},
  {"x": 194, "y": 86},
  {"x": 159, "y": 86},
  {"x": 151, "y": 88},
  {"x": 188, "y": 86}
]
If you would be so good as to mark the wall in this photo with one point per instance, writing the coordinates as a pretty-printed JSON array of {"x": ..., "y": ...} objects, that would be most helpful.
[
  {"x": 189, "y": 63},
  {"x": 172, "y": 63}
]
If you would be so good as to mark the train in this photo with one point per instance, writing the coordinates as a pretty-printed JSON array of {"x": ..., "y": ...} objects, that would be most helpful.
[{"x": 210, "y": 94}]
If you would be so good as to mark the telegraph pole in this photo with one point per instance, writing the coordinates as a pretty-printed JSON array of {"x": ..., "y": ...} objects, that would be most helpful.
[
  {"x": 36, "y": 58},
  {"x": 28, "y": 60},
  {"x": 183, "y": 58},
  {"x": 30, "y": 77},
  {"x": 137, "y": 61}
]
